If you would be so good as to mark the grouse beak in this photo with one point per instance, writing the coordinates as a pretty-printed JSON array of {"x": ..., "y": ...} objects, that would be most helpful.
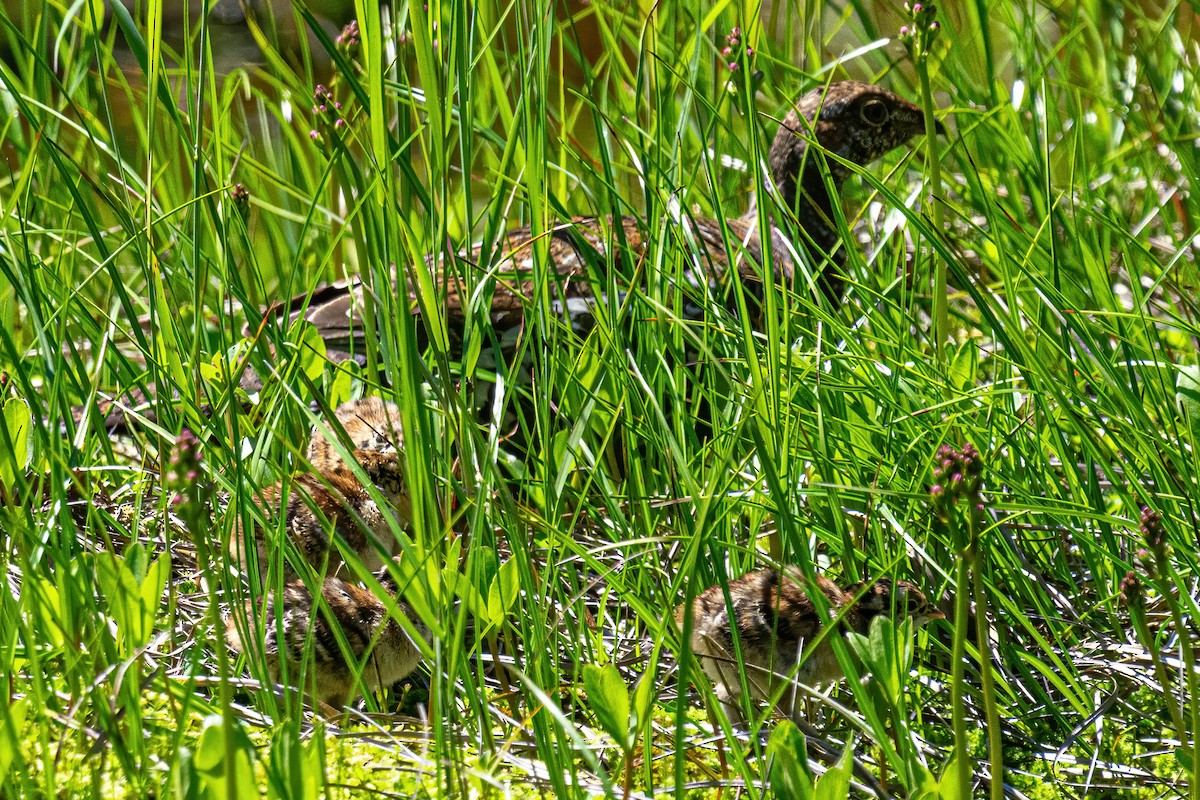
[{"x": 939, "y": 128}]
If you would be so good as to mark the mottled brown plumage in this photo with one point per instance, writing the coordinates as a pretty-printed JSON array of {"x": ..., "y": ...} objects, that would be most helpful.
[
  {"x": 778, "y": 627},
  {"x": 855, "y": 121},
  {"x": 382, "y": 652},
  {"x": 333, "y": 499},
  {"x": 369, "y": 423}
]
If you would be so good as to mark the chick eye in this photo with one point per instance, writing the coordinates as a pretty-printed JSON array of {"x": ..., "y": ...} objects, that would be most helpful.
[{"x": 874, "y": 112}]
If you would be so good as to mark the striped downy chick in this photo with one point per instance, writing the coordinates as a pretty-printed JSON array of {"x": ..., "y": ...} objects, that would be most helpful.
[
  {"x": 334, "y": 503},
  {"x": 376, "y": 641},
  {"x": 333, "y": 498},
  {"x": 777, "y": 624},
  {"x": 370, "y": 423}
]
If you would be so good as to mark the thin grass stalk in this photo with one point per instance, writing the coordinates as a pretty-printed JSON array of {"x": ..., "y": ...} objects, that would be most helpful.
[
  {"x": 983, "y": 642},
  {"x": 941, "y": 300},
  {"x": 1141, "y": 628},
  {"x": 1193, "y": 694},
  {"x": 919, "y": 36},
  {"x": 1168, "y": 582},
  {"x": 957, "y": 481},
  {"x": 958, "y": 685}
]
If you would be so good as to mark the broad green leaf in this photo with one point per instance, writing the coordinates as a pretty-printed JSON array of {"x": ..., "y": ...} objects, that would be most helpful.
[
  {"x": 50, "y": 611},
  {"x": 503, "y": 592},
  {"x": 211, "y": 763},
  {"x": 185, "y": 782},
  {"x": 925, "y": 784},
  {"x": 644, "y": 695},
  {"x": 11, "y": 730},
  {"x": 1187, "y": 393},
  {"x": 152, "y": 585},
  {"x": 609, "y": 699},
  {"x": 134, "y": 593},
  {"x": 311, "y": 349},
  {"x": 886, "y": 655},
  {"x": 449, "y": 578},
  {"x": 1183, "y": 756},
  {"x": 835, "y": 783},
  {"x": 341, "y": 385},
  {"x": 948, "y": 785},
  {"x": 293, "y": 768},
  {"x": 124, "y": 598},
  {"x": 16, "y": 420},
  {"x": 474, "y": 602},
  {"x": 790, "y": 776},
  {"x": 964, "y": 367}
]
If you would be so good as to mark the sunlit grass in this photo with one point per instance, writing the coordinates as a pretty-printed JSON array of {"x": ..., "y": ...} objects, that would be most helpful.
[{"x": 125, "y": 261}]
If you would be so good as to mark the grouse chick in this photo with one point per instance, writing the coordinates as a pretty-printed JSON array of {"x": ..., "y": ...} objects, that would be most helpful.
[
  {"x": 381, "y": 651},
  {"x": 778, "y": 626},
  {"x": 332, "y": 504}
]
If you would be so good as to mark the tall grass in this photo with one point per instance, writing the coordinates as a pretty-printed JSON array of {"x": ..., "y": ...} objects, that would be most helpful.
[{"x": 1068, "y": 240}]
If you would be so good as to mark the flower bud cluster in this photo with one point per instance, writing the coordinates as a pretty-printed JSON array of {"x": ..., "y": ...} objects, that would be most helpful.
[
  {"x": 957, "y": 476},
  {"x": 348, "y": 40},
  {"x": 921, "y": 30},
  {"x": 1131, "y": 590},
  {"x": 326, "y": 110},
  {"x": 184, "y": 479},
  {"x": 1154, "y": 555},
  {"x": 733, "y": 54},
  {"x": 240, "y": 196},
  {"x": 326, "y": 105}
]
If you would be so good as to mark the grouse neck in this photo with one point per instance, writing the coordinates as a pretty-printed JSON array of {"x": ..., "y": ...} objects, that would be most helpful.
[{"x": 803, "y": 222}]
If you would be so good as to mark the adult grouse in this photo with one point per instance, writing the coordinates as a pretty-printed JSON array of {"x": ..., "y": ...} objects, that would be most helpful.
[{"x": 854, "y": 121}]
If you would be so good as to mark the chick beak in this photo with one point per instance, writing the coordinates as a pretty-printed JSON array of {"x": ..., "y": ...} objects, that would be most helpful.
[{"x": 929, "y": 615}]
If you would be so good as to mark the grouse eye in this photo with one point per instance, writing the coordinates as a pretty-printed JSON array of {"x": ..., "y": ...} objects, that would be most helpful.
[{"x": 874, "y": 112}]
